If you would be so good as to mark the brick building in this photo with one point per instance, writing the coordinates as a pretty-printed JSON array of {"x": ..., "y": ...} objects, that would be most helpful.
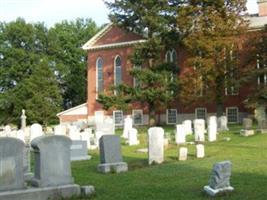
[{"x": 109, "y": 64}]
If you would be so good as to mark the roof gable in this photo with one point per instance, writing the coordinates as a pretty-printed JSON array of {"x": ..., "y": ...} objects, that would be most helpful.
[{"x": 112, "y": 36}]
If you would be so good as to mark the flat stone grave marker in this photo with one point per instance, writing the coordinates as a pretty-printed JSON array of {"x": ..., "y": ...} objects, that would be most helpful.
[
  {"x": 110, "y": 155},
  {"x": 183, "y": 153},
  {"x": 220, "y": 179},
  {"x": 52, "y": 161},
  {"x": 79, "y": 150},
  {"x": 180, "y": 135},
  {"x": 155, "y": 145},
  {"x": 212, "y": 129},
  {"x": 11, "y": 164},
  {"x": 199, "y": 130}
]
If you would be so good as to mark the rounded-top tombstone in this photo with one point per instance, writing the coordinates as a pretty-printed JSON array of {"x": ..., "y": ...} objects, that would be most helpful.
[
  {"x": 52, "y": 161},
  {"x": 11, "y": 164}
]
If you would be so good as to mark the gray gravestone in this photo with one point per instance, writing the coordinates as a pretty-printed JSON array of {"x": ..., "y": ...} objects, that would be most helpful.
[
  {"x": 11, "y": 164},
  {"x": 52, "y": 161},
  {"x": 110, "y": 154},
  {"x": 79, "y": 150},
  {"x": 263, "y": 126},
  {"x": 247, "y": 127},
  {"x": 220, "y": 178}
]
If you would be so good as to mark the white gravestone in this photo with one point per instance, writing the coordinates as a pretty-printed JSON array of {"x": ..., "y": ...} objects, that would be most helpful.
[
  {"x": 212, "y": 129},
  {"x": 74, "y": 132},
  {"x": 180, "y": 136},
  {"x": 127, "y": 126},
  {"x": 107, "y": 126},
  {"x": 200, "y": 151},
  {"x": 199, "y": 129},
  {"x": 133, "y": 140},
  {"x": 60, "y": 130},
  {"x": 188, "y": 127},
  {"x": 7, "y": 131},
  {"x": 183, "y": 153},
  {"x": 21, "y": 135},
  {"x": 155, "y": 145},
  {"x": 86, "y": 135},
  {"x": 99, "y": 117},
  {"x": 222, "y": 124},
  {"x": 36, "y": 130}
]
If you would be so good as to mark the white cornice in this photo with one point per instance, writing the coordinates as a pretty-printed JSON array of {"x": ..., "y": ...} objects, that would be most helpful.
[{"x": 114, "y": 45}]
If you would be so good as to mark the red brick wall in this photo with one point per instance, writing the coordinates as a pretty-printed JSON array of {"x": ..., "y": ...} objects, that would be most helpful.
[
  {"x": 71, "y": 118},
  {"x": 117, "y": 35},
  {"x": 109, "y": 55}
]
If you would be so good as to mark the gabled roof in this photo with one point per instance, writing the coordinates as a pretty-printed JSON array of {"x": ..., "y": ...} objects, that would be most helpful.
[
  {"x": 72, "y": 109},
  {"x": 95, "y": 42}
]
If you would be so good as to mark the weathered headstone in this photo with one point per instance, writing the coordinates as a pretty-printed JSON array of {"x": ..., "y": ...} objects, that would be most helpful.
[
  {"x": 263, "y": 126},
  {"x": 188, "y": 127},
  {"x": 7, "y": 131},
  {"x": 260, "y": 114},
  {"x": 107, "y": 126},
  {"x": 222, "y": 124},
  {"x": 180, "y": 135},
  {"x": 212, "y": 129},
  {"x": 36, "y": 130},
  {"x": 132, "y": 138},
  {"x": 60, "y": 130},
  {"x": 52, "y": 161},
  {"x": 79, "y": 151},
  {"x": 87, "y": 135},
  {"x": 200, "y": 151},
  {"x": 155, "y": 145},
  {"x": 127, "y": 126},
  {"x": 199, "y": 130},
  {"x": 11, "y": 164},
  {"x": 74, "y": 132},
  {"x": 110, "y": 155},
  {"x": 220, "y": 179},
  {"x": 247, "y": 127},
  {"x": 20, "y": 135},
  {"x": 183, "y": 153}
]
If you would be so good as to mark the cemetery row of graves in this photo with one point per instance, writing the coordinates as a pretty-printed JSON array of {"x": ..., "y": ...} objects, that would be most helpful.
[{"x": 103, "y": 152}]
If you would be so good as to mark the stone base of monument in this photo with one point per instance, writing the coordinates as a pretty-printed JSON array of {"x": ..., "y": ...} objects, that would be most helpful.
[
  {"x": 57, "y": 192},
  {"x": 79, "y": 158},
  {"x": 247, "y": 133},
  {"x": 213, "y": 192},
  {"x": 113, "y": 167}
]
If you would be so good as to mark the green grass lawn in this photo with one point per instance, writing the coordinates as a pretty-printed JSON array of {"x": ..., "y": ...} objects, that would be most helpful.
[{"x": 181, "y": 179}]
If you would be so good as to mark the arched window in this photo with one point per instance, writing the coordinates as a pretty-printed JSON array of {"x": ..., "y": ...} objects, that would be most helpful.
[
  {"x": 117, "y": 72},
  {"x": 171, "y": 56},
  {"x": 99, "y": 75}
]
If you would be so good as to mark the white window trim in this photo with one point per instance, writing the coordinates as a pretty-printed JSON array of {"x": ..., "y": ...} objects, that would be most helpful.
[
  {"x": 114, "y": 117},
  {"x": 96, "y": 85},
  {"x": 196, "y": 109},
  {"x": 115, "y": 67},
  {"x": 167, "y": 116},
  {"x": 138, "y": 110},
  {"x": 237, "y": 117}
]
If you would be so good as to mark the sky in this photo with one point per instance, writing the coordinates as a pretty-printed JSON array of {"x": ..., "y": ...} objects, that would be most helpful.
[{"x": 52, "y": 11}]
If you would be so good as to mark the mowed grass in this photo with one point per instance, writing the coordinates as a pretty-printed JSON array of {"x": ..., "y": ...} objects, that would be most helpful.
[{"x": 181, "y": 179}]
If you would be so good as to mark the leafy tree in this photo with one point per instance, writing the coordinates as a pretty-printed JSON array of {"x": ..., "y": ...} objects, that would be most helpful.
[
  {"x": 156, "y": 21},
  {"x": 211, "y": 35},
  {"x": 26, "y": 78},
  {"x": 68, "y": 59}
]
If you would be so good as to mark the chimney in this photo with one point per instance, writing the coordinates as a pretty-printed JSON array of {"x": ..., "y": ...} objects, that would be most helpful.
[{"x": 262, "y": 7}]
